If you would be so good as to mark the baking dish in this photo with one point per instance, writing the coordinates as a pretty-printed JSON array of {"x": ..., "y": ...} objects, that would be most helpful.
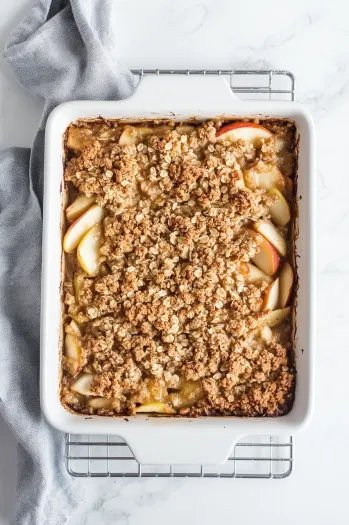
[{"x": 175, "y": 440}]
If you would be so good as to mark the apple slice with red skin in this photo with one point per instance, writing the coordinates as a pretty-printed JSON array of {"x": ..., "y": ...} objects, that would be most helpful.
[
  {"x": 267, "y": 258},
  {"x": 271, "y": 297},
  {"x": 276, "y": 317},
  {"x": 264, "y": 177},
  {"x": 89, "y": 251},
  {"x": 272, "y": 235},
  {"x": 286, "y": 284},
  {"x": 81, "y": 204},
  {"x": 279, "y": 211},
  {"x": 248, "y": 131},
  {"x": 81, "y": 226}
]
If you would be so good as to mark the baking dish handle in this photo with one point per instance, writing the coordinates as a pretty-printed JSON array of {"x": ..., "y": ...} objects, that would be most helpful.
[
  {"x": 191, "y": 444},
  {"x": 178, "y": 93}
]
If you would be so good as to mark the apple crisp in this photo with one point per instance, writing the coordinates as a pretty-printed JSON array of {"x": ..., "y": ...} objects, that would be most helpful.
[{"x": 179, "y": 278}]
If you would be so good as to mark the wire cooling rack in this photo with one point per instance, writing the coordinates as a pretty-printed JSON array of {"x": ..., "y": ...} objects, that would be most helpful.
[
  {"x": 266, "y": 457},
  {"x": 253, "y": 84}
]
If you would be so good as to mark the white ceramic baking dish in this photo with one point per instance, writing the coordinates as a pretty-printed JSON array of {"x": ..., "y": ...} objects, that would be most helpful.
[{"x": 156, "y": 440}]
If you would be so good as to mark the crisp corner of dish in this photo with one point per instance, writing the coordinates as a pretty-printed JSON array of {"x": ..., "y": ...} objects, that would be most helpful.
[{"x": 179, "y": 272}]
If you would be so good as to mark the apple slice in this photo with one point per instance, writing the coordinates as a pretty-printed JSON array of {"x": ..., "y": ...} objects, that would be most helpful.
[
  {"x": 266, "y": 177},
  {"x": 276, "y": 317},
  {"x": 82, "y": 384},
  {"x": 272, "y": 235},
  {"x": 279, "y": 211},
  {"x": 243, "y": 131},
  {"x": 160, "y": 408},
  {"x": 261, "y": 332},
  {"x": 80, "y": 318},
  {"x": 271, "y": 297},
  {"x": 81, "y": 226},
  {"x": 88, "y": 251},
  {"x": 267, "y": 258},
  {"x": 78, "y": 282},
  {"x": 100, "y": 402},
  {"x": 72, "y": 346},
  {"x": 266, "y": 334},
  {"x": 79, "y": 206},
  {"x": 73, "y": 353},
  {"x": 286, "y": 284},
  {"x": 185, "y": 129},
  {"x": 73, "y": 328},
  {"x": 253, "y": 274},
  {"x": 132, "y": 134}
]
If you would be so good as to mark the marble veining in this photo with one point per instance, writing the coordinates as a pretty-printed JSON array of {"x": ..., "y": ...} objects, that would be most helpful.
[{"x": 118, "y": 500}]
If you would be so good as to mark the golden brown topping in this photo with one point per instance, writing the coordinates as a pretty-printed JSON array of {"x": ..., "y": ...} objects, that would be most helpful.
[{"x": 170, "y": 310}]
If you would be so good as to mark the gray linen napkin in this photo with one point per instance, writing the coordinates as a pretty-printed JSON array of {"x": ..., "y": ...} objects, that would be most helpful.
[{"x": 62, "y": 51}]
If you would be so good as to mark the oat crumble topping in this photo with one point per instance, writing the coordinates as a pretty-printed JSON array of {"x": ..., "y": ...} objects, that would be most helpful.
[{"x": 170, "y": 318}]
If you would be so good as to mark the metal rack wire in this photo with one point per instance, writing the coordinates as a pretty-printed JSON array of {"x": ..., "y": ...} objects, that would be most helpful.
[{"x": 264, "y": 457}]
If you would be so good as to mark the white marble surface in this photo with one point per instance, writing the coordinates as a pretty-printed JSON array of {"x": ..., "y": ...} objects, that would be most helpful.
[{"x": 310, "y": 38}]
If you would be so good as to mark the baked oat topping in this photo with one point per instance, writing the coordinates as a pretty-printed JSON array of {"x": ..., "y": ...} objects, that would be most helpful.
[{"x": 175, "y": 301}]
